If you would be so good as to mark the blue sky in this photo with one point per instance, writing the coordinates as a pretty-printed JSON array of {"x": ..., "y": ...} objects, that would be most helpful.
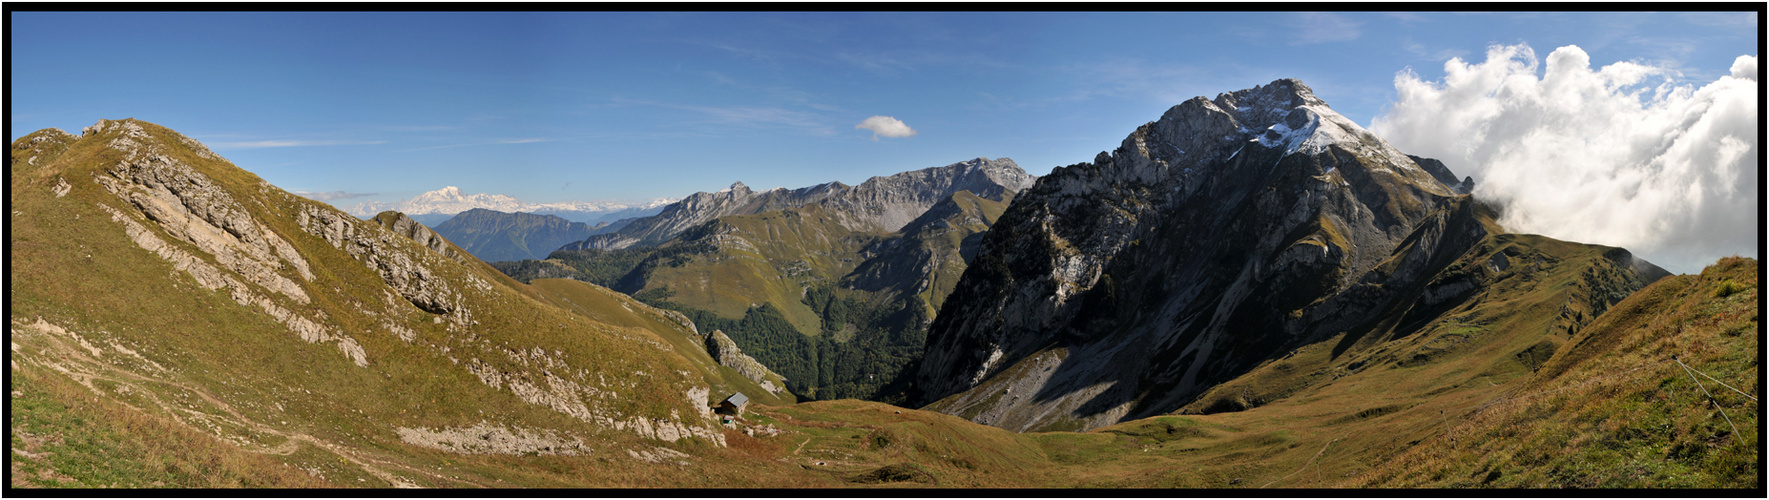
[{"x": 592, "y": 106}]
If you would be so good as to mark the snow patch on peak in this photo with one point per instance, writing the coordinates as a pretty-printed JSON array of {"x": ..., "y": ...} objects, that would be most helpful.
[{"x": 1311, "y": 128}]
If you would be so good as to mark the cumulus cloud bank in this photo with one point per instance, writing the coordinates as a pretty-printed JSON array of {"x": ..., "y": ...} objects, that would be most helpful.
[
  {"x": 885, "y": 126},
  {"x": 1598, "y": 156}
]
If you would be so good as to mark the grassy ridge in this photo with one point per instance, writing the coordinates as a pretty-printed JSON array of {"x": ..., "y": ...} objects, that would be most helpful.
[
  {"x": 75, "y": 269},
  {"x": 608, "y": 306},
  {"x": 64, "y": 437},
  {"x": 1613, "y": 409}
]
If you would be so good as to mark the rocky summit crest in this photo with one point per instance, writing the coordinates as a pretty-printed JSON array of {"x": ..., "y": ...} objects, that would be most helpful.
[{"x": 1224, "y": 233}]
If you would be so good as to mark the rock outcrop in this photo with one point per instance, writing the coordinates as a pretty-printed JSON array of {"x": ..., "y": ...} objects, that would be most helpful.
[
  {"x": 402, "y": 225},
  {"x": 1442, "y": 174},
  {"x": 410, "y": 275},
  {"x": 726, "y": 353},
  {"x": 485, "y": 438},
  {"x": 191, "y": 207}
]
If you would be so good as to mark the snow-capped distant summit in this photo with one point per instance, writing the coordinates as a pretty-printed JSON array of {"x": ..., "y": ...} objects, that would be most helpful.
[{"x": 451, "y": 200}]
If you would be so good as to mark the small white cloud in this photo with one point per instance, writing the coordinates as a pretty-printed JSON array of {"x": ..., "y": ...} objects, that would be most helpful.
[
  {"x": 886, "y": 126},
  {"x": 287, "y": 144},
  {"x": 1620, "y": 155}
]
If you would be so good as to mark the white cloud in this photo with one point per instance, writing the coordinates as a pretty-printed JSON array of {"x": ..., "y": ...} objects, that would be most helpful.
[
  {"x": 1745, "y": 67},
  {"x": 287, "y": 144},
  {"x": 1598, "y": 156},
  {"x": 886, "y": 126},
  {"x": 452, "y": 200},
  {"x": 499, "y": 141},
  {"x": 748, "y": 117}
]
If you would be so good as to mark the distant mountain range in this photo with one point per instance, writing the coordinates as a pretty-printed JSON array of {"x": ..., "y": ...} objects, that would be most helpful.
[
  {"x": 883, "y": 203},
  {"x": 433, "y": 207},
  {"x": 497, "y": 236}
]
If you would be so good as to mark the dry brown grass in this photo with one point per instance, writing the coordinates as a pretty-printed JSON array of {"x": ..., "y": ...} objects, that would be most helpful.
[
  {"x": 85, "y": 441},
  {"x": 1614, "y": 410}
]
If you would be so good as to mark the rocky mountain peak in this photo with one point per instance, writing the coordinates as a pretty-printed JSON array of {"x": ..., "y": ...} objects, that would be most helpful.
[
  {"x": 1282, "y": 94},
  {"x": 1222, "y": 210},
  {"x": 1199, "y": 138}
]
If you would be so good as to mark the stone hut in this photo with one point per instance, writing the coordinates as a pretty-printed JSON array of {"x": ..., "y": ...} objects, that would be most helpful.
[{"x": 734, "y": 405}]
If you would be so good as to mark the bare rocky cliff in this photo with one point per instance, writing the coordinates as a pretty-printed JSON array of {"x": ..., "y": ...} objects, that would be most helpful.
[
  {"x": 1228, "y": 231},
  {"x": 725, "y": 351}
]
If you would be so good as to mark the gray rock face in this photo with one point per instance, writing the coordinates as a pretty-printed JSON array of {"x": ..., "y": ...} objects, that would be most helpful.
[
  {"x": 407, "y": 274},
  {"x": 1125, "y": 287},
  {"x": 1443, "y": 175},
  {"x": 491, "y": 439},
  {"x": 725, "y": 351},
  {"x": 191, "y": 207},
  {"x": 922, "y": 259},
  {"x": 402, "y": 225},
  {"x": 879, "y": 204}
]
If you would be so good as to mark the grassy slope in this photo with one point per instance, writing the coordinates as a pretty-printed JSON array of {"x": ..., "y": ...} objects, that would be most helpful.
[
  {"x": 973, "y": 215},
  {"x": 1614, "y": 409},
  {"x": 75, "y": 268},
  {"x": 781, "y": 253},
  {"x": 608, "y": 306}
]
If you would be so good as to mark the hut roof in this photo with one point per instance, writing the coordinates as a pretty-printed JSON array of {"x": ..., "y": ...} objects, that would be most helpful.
[{"x": 737, "y": 399}]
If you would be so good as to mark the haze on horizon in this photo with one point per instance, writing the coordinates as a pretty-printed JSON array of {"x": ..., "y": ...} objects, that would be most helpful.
[{"x": 550, "y": 107}]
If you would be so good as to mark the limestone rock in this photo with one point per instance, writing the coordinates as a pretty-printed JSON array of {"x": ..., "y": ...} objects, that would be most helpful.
[
  {"x": 402, "y": 225},
  {"x": 489, "y": 439},
  {"x": 725, "y": 351},
  {"x": 406, "y": 273},
  {"x": 191, "y": 207}
]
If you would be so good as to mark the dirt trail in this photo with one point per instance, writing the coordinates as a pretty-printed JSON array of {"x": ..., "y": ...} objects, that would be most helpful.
[
  {"x": 1311, "y": 461},
  {"x": 71, "y": 355}
]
